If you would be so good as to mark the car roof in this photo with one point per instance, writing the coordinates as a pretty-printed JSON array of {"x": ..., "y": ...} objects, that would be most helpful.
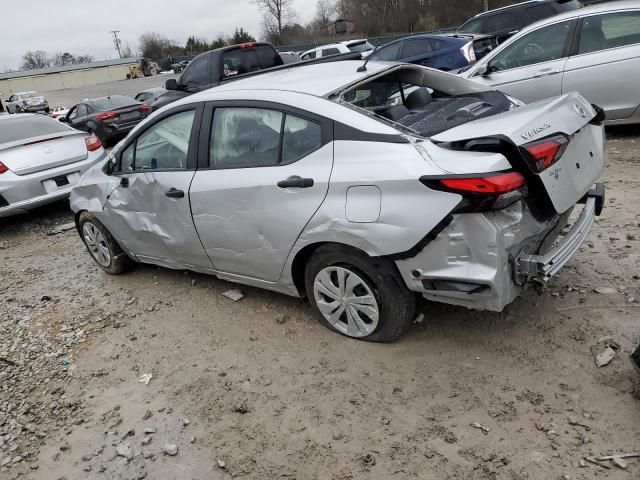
[
  {"x": 317, "y": 79},
  {"x": 581, "y": 12},
  {"x": 322, "y": 47},
  {"x": 510, "y": 7}
]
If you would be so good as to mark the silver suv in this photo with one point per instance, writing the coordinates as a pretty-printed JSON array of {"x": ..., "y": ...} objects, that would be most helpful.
[{"x": 27, "y": 102}]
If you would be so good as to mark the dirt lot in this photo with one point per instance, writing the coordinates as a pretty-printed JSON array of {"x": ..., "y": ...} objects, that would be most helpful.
[{"x": 259, "y": 390}]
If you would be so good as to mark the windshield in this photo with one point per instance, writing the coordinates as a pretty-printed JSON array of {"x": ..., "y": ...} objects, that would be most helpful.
[{"x": 21, "y": 128}]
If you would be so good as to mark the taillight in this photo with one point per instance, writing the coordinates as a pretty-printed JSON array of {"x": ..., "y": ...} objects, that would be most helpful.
[
  {"x": 544, "y": 153},
  {"x": 247, "y": 45},
  {"x": 3, "y": 168},
  {"x": 106, "y": 115},
  {"x": 93, "y": 143},
  {"x": 484, "y": 193},
  {"x": 469, "y": 52},
  {"x": 145, "y": 107}
]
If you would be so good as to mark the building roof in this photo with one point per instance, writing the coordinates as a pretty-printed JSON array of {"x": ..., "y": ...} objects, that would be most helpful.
[{"x": 68, "y": 68}]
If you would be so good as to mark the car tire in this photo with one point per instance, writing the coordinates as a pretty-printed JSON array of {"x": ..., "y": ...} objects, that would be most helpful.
[
  {"x": 102, "y": 247},
  {"x": 358, "y": 296}
]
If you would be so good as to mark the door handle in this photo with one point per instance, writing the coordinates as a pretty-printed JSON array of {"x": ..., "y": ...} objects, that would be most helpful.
[
  {"x": 546, "y": 72},
  {"x": 174, "y": 193},
  {"x": 296, "y": 182}
]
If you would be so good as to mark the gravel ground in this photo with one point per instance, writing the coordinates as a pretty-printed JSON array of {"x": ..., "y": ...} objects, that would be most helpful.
[{"x": 259, "y": 390}]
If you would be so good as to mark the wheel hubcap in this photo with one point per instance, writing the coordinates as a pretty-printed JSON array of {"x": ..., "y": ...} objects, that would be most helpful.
[
  {"x": 346, "y": 301},
  {"x": 96, "y": 244}
]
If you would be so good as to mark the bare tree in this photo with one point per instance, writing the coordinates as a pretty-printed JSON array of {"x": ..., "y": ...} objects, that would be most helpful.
[
  {"x": 35, "y": 59},
  {"x": 276, "y": 13},
  {"x": 325, "y": 10}
]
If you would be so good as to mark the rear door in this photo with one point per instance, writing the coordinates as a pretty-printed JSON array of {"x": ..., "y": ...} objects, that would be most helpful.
[
  {"x": 267, "y": 173},
  {"x": 149, "y": 212},
  {"x": 606, "y": 66},
  {"x": 530, "y": 67}
]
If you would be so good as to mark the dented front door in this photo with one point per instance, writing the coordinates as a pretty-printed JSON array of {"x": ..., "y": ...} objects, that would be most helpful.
[{"x": 149, "y": 211}]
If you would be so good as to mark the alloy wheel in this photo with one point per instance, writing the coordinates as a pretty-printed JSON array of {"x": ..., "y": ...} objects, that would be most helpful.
[
  {"x": 346, "y": 301},
  {"x": 96, "y": 244}
]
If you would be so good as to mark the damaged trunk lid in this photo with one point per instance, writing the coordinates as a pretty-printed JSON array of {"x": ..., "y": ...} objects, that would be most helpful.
[{"x": 558, "y": 142}]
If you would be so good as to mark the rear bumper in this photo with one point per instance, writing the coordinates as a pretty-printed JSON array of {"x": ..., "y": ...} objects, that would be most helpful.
[
  {"x": 22, "y": 193},
  {"x": 35, "y": 108},
  {"x": 480, "y": 261}
]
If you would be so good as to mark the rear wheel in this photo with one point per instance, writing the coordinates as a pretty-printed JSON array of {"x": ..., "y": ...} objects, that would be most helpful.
[
  {"x": 358, "y": 296},
  {"x": 102, "y": 246}
]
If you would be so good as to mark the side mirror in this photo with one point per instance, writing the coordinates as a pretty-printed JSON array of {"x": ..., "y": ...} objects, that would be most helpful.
[
  {"x": 63, "y": 119},
  {"x": 484, "y": 70},
  {"x": 172, "y": 84}
]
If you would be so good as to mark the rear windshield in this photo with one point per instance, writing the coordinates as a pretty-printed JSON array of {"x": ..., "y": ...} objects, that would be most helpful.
[
  {"x": 14, "y": 129},
  {"x": 115, "y": 101},
  {"x": 360, "y": 46},
  {"x": 31, "y": 95},
  {"x": 241, "y": 60}
]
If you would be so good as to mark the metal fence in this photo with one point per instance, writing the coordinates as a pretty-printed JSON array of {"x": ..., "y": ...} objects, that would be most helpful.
[{"x": 375, "y": 41}]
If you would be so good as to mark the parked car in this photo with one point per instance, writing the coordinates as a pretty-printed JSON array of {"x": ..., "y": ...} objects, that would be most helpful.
[
  {"x": 436, "y": 51},
  {"x": 506, "y": 21},
  {"x": 325, "y": 51},
  {"x": 289, "y": 57},
  {"x": 27, "y": 102},
  {"x": 110, "y": 118},
  {"x": 360, "y": 45},
  {"x": 41, "y": 160},
  {"x": 594, "y": 50},
  {"x": 297, "y": 182},
  {"x": 218, "y": 66},
  {"x": 151, "y": 95},
  {"x": 58, "y": 111}
]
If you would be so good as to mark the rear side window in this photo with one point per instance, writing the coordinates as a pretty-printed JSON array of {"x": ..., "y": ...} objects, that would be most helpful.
[
  {"x": 13, "y": 129},
  {"x": 539, "y": 12},
  {"x": 82, "y": 110},
  {"x": 360, "y": 47},
  {"x": 502, "y": 21},
  {"x": 609, "y": 31},
  {"x": 256, "y": 137},
  {"x": 239, "y": 61},
  {"x": 308, "y": 56},
  {"x": 330, "y": 51}
]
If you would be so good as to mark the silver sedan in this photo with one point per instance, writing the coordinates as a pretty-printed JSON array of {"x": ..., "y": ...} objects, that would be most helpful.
[
  {"x": 593, "y": 50},
  {"x": 41, "y": 160}
]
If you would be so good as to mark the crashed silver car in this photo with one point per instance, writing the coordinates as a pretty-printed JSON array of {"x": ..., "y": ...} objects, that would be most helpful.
[
  {"x": 41, "y": 160},
  {"x": 361, "y": 188}
]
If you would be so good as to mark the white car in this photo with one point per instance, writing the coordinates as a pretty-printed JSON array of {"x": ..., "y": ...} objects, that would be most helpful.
[
  {"x": 320, "y": 181},
  {"x": 348, "y": 46},
  {"x": 58, "y": 112},
  {"x": 593, "y": 50}
]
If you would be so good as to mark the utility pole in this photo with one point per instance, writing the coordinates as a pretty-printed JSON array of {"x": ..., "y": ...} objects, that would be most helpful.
[
  {"x": 486, "y": 5},
  {"x": 116, "y": 41}
]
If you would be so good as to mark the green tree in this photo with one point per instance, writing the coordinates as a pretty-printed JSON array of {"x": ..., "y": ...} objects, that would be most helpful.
[{"x": 241, "y": 36}]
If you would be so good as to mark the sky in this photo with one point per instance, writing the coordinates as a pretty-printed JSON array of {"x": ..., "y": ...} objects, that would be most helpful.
[{"x": 82, "y": 26}]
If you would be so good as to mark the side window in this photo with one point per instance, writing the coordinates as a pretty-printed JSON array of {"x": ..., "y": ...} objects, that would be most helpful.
[
  {"x": 73, "y": 113},
  {"x": 542, "y": 45},
  {"x": 268, "y": 57},
  {"x": 415, "y": 47},
  {"x": 609, "y": 31},
  {"x": 300, "y": 138},
  {"x": 165, "y": 145},
  {"x": 389, "y": 53},
  {"x": 245, "y": 137},
  {"x": 330, "y": 51},
  {"x": 473, "y": 26},
  {"x": 538, "y": 12},
  {"x": 197, "y": 73},
  {"x": 12, "y": 98},
  {"x": 90, "y": 110},
  {"x": 501, "y": 22},
  {"x": 81, "y": 111},
  {"x": 126, "y": 159}
]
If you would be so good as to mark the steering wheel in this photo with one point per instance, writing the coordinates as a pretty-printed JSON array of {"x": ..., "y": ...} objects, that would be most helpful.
[{"x": 533, "y": 49}]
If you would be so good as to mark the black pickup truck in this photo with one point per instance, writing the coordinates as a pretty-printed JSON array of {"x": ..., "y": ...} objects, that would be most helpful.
[{"x": 214, "y": 67}]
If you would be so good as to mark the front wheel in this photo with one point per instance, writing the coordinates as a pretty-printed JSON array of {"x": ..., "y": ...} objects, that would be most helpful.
[
  {"x": 102, "y": 246},
  {"x": 358, "y": 296}
]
